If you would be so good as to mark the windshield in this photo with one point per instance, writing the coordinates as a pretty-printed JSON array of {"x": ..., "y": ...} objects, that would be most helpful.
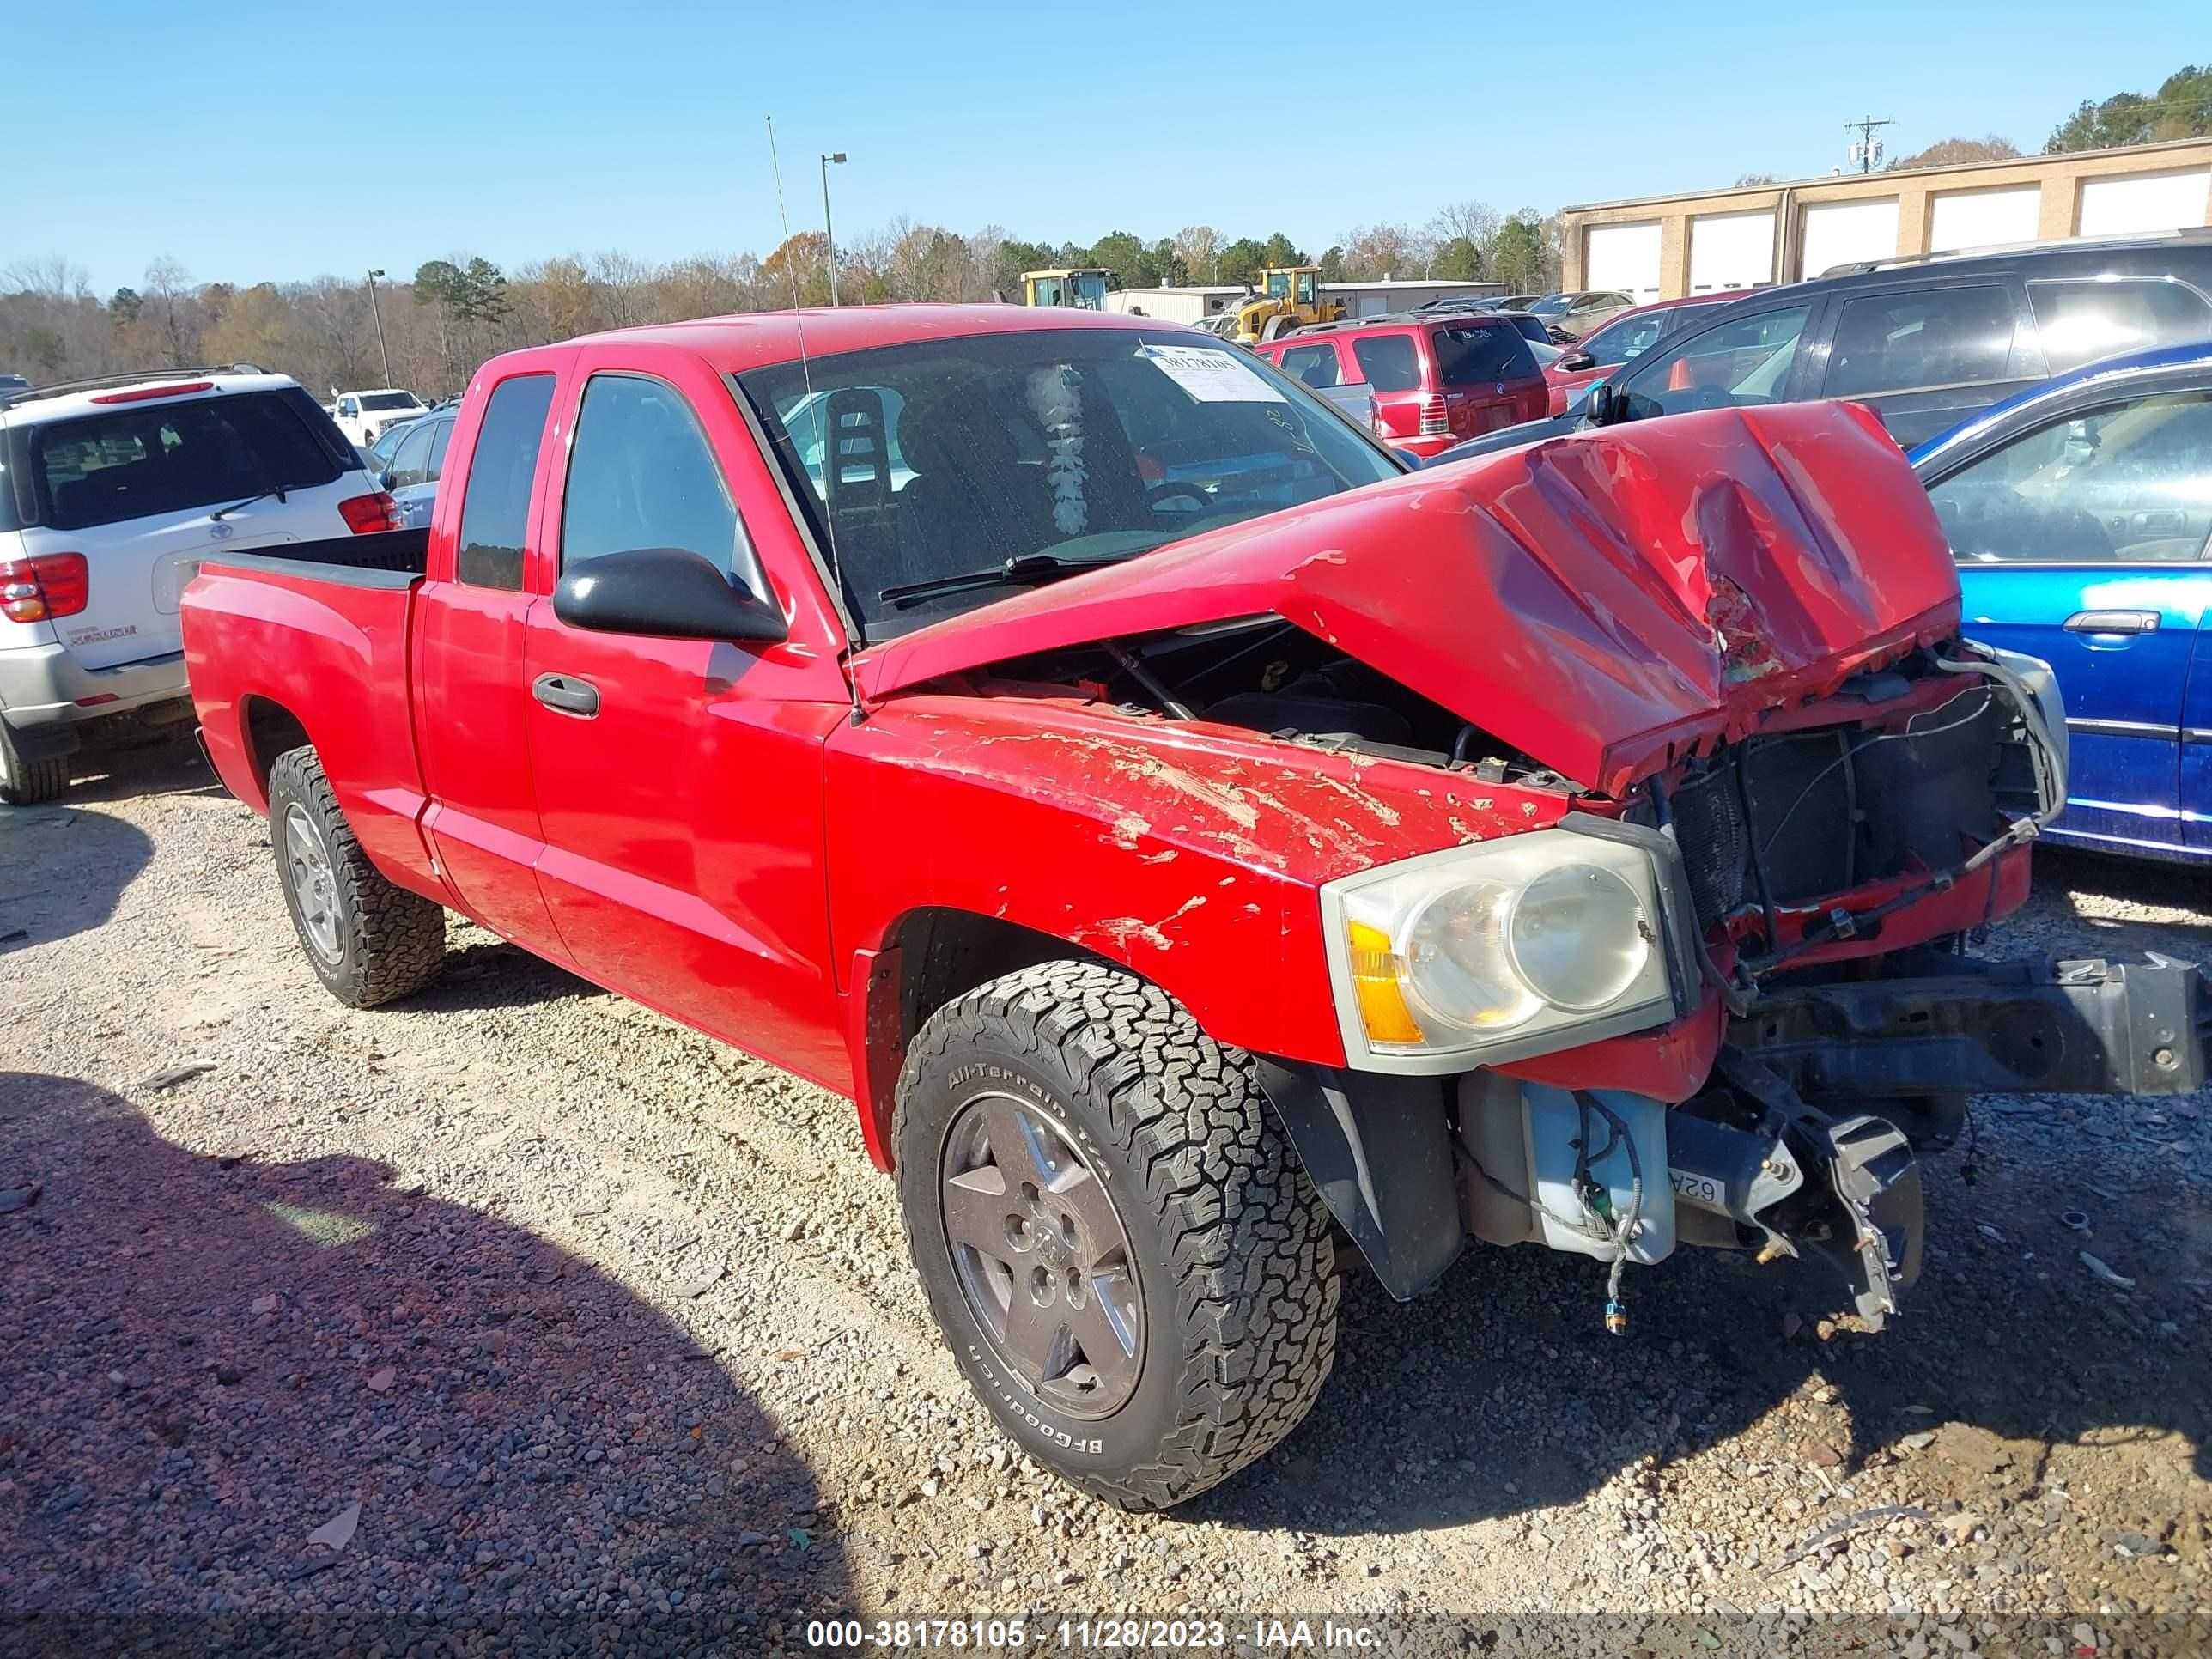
[
  {"x": 1279, "y": 284},
  {"x": 1090, "y": 290},
  {"x": 1061, "y": 446},
  {"x": 389, "y": 400}
]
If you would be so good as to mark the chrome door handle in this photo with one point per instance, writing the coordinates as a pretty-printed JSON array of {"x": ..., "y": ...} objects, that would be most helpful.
[
  {"x": 2112, "y": 622},
  {"x": 564, "y": 693}
]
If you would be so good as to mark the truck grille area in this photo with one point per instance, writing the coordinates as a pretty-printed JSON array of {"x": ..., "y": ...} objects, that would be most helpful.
[{"x": 1822, "y": 811}]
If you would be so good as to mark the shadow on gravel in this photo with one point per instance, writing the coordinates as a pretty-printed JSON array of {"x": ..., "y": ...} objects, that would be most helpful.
[
  {"x": 204, "y": 1360},
  {"x": 2062, "y": 873},
  {"x": 101, "y": 854},
  {"x": 1505, "y": 1373},
  {"x": 165, "y": 762},
  {"x": 493, "y": 974}
]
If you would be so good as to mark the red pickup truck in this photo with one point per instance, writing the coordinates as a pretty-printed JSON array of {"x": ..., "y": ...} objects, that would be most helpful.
[{"x": 1189, "y": 838}]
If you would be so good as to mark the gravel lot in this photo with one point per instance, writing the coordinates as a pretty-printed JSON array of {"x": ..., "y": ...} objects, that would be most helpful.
[{"x": 605, "y": 1335}]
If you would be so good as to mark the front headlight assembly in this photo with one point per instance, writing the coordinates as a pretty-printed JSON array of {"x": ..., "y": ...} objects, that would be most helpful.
[{"x": 1500, "y": 951}]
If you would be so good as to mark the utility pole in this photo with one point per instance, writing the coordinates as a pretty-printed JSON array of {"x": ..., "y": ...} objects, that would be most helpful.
[
  {"x": 375, "y": 311},
  {"x": 828, "y": 236},
  {"x": 1868, "y": 150}
]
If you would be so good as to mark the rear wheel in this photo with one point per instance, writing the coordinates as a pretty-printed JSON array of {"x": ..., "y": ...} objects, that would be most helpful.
[
  {"x": 368, "y": 939},
  {"x": 1114, "y": 1233},
  {"x": 28, "y": 782}
]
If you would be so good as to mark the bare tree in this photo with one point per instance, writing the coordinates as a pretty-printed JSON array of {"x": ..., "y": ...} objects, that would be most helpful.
[
  {"x": 1199, "y": 247},
  {"x": 48, "y": 278},
  {"x": 169, "y": 297}
]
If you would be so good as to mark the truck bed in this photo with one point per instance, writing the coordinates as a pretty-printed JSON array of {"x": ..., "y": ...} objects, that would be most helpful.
[
  {"x": 403, "y": 553},
  {"x": 309, "y": 642}
]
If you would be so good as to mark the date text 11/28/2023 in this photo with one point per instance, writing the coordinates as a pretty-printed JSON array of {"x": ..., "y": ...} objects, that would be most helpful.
[{"x": 1094, "y": 1635}]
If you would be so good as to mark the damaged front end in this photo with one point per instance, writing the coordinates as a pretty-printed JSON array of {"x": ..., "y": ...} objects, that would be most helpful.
[
  {"x": 1810, "y": 893},
  {"x": 1671, "y": 797}
]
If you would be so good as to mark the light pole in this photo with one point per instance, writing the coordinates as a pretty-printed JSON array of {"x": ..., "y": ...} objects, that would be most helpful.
[
  {"x": 828, "y": 236},
  {"x": 376, "y": 312}
]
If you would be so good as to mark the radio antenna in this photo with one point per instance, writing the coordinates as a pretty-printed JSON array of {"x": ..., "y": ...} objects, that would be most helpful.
[{"x": 821, "y": 414}]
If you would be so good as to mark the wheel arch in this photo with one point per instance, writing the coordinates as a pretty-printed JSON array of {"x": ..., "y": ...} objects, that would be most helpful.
[
  {"x": 929, "y": 955},
  {"x": 268, "y": 728}
]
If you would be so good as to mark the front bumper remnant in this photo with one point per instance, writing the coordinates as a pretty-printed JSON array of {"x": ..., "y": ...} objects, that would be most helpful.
[{"x": 1969, "y": 1027}]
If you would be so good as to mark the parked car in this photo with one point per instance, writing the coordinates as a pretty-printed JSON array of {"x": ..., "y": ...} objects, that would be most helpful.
[
  {"x": 1626, "y": 338},
  {"x": 410, "y": 475},
  {"x": 362, "y": 415},
  {"x": 1532, "y": 328},
  {"x": 1924, "y": 343},
  {"x": 2079, "y": 513},
  {"x": 1571, "y": 316},
  {"x": 1168, "y": 871},
  {"x": 13, "y": 383},
  {"x": 1437, "y": 378},
  {"x": 119, "y": 487}
]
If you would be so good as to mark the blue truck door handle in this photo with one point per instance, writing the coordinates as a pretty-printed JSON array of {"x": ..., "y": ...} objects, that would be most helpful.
[
  {"x": 564, "y": 693},
  {"x": 2112, "y": 622}
]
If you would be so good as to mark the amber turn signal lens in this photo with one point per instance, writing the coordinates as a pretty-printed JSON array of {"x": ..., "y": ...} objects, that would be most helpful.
[{"x": 1382, "y": 1008}]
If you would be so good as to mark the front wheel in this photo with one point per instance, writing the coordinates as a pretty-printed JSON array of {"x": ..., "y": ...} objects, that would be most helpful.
[
  {"x": 368, "y": 939},
  {"x": 1115, "y": 1235}
]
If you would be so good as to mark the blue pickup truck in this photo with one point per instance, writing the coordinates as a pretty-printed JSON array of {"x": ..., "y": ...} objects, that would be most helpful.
[{"x": 2079, "y": 513}]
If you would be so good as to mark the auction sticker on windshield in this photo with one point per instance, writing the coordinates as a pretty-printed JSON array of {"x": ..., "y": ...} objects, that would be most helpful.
[{"x": 1211, "y": 376}]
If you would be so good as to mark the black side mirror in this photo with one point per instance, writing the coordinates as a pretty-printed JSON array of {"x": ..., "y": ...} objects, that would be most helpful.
[
  {"x": 667, "y": 592},
  {"x": 1575, "y": 361},
  {"x": 1604, "y": 404}
]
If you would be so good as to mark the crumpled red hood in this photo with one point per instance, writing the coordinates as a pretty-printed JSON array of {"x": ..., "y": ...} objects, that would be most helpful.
[{"x": 1601, "y": 602}]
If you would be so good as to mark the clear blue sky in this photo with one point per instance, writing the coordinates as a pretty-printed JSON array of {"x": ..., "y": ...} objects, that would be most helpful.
[{"x": 255, "y": 141}]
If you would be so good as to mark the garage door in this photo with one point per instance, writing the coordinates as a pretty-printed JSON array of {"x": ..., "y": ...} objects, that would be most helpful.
[
  {"x": 1623, "y": 257},
  {"x": 2144, "y": 200},
  {"x": 1834, "y": 233},
  {"x": 1731, "y": 250},
  {"x": 1984, "y": 218}
]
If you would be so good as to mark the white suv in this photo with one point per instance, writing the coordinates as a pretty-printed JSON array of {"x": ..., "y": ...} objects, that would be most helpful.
[
  {"x": 111, "y": 493},
  {"x": 362, "y": 415}
]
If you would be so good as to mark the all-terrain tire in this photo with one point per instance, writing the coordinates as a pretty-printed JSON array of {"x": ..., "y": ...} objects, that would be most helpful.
[
  {"x": 388, "y": 941},
  {"x": 29, "y": 782},
  {"x": 1230, "y": 1244}
]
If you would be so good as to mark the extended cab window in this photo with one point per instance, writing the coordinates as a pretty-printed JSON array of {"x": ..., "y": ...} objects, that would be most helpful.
[
  {"x": 2128, "y": 484},
  {"x": 167, "y": 458},
  {"x": 1929, "y": 336},
  {"x": 495, "y": 511},
  {"x": 1034, "y": 453},
  {"x": 642, "y": 474}
]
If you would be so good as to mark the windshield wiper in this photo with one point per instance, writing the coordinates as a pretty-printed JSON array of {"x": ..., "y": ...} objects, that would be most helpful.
[
  {"x": 1022, "y": 567},
  {"x": 278, "y": 490}
]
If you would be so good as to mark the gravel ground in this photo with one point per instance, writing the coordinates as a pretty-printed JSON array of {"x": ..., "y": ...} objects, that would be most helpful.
[{"x": 584, "y": 1330}]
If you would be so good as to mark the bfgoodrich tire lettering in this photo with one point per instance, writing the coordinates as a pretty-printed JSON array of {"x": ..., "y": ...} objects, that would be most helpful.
[
  {"x": 1230, "y": 1243},
  {"x": 367, "y": 941}
]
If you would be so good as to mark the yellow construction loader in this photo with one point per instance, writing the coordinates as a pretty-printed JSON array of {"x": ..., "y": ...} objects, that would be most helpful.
[
  {"x": 1085, "y": 288},
  {"x": 1289, "y": 296}
]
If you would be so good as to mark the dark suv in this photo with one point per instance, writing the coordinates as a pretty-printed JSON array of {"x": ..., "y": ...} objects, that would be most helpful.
[{"x": 1923, "y": 342}]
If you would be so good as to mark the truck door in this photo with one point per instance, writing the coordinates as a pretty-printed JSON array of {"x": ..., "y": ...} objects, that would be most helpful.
[
  {"x": 680, "y": 782},
  {"x": 2080, "y": 541},
  {"x": 471, "y": 621}
]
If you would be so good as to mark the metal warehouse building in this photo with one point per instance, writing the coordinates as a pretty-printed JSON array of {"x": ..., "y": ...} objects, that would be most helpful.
[{"x": 1664, "y": 246}]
